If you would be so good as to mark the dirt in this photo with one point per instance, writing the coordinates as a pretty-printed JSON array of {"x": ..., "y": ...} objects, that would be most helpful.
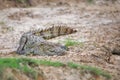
[
  {"x": 97, "y": 26},
  {"x": 15, "y": 74}
]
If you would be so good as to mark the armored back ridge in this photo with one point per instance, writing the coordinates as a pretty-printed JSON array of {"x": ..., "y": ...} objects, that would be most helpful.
[
  {"x": 54, "y": 31},
  {"x": 34, "y": 42}
]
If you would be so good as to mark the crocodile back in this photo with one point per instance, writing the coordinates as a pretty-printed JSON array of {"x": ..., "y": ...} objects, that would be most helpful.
[{"x": 54, "y": 31}]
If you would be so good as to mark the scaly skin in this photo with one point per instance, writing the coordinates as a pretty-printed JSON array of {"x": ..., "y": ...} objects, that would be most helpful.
[{"x": 35, "y": 42}]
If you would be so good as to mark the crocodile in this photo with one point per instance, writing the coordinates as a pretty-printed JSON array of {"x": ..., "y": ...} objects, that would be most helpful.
[{"x": 35, "y": 42}]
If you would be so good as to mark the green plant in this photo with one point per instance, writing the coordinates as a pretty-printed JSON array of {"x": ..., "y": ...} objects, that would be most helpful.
[
  {"x": 29, "y": 71},
  {"x": 96, "y": 71},
  {"x": 93, "y": 70},
  {"x": 72, "y": 65},
  {"x": 16, "y": 63},
  {"x": 69, "y": 42},
  {"x": 50, "y": 63},
  {"x": 27, "y": 65}
]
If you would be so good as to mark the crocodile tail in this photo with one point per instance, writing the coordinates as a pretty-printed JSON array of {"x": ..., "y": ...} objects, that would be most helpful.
[{"x": 55, "y": 31}]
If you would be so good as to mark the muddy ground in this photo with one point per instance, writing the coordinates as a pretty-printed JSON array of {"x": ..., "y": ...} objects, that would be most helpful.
[{"x": 98, "y": 25}]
